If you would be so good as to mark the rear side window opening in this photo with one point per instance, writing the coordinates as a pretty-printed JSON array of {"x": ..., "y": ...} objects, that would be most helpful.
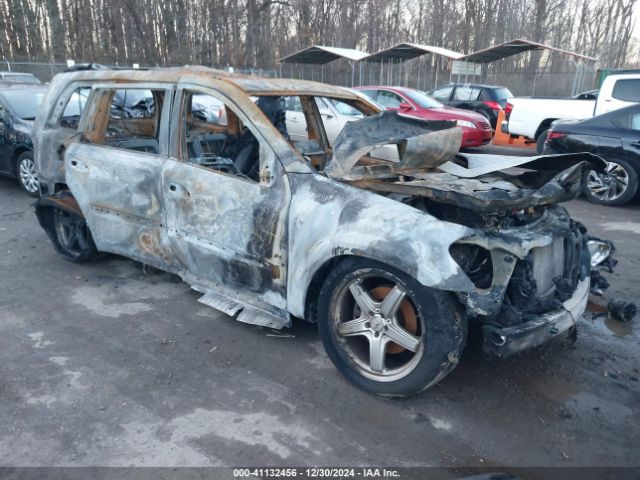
[
  {"x": 627, "y": 90},
  {"x": 132, "y": 119}
]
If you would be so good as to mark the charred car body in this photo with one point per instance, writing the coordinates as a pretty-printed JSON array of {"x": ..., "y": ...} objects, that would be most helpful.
[{"x": 393, "y": 259}]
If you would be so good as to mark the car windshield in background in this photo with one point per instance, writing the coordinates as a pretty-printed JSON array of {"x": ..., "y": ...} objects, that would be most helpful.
[
  {"x": 502, "y": 95},
  {"x": 24, "y": 103},
  {"x": 421, "y": 99},
  {"x": 17, "y": 78}
]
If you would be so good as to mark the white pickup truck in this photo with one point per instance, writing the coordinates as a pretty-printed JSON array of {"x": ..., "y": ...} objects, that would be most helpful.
[{"x": 531, "y": 117}]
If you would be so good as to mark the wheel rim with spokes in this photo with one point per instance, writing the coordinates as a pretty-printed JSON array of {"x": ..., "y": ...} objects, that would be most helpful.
[
  {"x": 28, "y": 176},
  {"x": 377, "y": 326},
  {"x": 611, "y": 184},
  {"x": 72, "y": 232}
]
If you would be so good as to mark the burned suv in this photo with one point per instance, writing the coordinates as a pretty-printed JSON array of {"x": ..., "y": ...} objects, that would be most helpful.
[{"x": 394, "y": 259}]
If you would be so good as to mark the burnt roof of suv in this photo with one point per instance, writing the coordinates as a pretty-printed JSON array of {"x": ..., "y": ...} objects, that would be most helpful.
[{"x": 251, "y": 85}]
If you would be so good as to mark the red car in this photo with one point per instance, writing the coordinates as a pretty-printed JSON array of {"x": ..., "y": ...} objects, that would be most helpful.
[{"x": 476, "y": 129}]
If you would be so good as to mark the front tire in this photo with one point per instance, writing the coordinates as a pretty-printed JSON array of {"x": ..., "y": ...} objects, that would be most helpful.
[
  {"x": 26, "y": 173},
  {"x": 385, "y": 332},
  {"x": 616, "y": 186}
]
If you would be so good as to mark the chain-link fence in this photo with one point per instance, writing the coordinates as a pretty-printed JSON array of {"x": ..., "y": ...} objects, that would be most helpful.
[
  {"x": 426, "y": 75},
  {"x": 412, "y": 74},
  {"x": 43, "y": 71}
]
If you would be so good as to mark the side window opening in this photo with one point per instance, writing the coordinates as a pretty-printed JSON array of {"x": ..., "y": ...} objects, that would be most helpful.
[
  {"x": 627, "y": 90},
  {"x": 630, "y": 121},
  {"x": 442, "y": 94},
  {"x": 389, "y": 99},
  {"x": 215, "y": 138},
  {"x": 466, "y": 94},
  {"x": 132, "y": 119},
  {"x": 75, "y": 106}
]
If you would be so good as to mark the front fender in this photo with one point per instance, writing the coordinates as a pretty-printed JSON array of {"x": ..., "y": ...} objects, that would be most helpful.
[{"x": 329, "y": 219}]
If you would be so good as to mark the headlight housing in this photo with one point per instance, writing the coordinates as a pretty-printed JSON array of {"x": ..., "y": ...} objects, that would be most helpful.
[{"x": 465, "y": 123}]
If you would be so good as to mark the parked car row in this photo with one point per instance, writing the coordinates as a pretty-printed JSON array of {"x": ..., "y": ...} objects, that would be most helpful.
[{"x": 474, "y": 108}]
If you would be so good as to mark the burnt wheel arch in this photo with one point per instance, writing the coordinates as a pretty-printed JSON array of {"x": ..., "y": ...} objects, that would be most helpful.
[{"x": 63, "y": 202}]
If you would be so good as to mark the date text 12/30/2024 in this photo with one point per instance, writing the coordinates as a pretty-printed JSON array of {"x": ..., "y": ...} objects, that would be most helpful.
[{"x": 308, "y": 472}]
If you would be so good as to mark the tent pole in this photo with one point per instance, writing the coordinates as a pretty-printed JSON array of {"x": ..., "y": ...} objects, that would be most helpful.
[
  {"x": 436, "y": 69},
  {"x": 353, "y": 73}
]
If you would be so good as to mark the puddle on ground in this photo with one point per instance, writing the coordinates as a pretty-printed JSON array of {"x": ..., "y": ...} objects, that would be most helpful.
[
  {"x": 609, "y": 326},
  {"x": 618, "y": 328}
]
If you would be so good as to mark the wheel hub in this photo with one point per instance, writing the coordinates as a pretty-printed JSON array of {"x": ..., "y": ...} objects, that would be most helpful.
[
  {"x": 378, "y": 322},
  {"x": 386, "y": 322}
]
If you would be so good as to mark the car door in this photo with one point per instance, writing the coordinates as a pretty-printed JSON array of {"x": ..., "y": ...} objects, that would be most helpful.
[
  {"x": 442, "y": 94},
  {"x": 296, "y": 121},
  {"x": 332, "y": 120},
  {"x": 390, "y": 100},
  {"x": 227, "y": 229},
  {"x": 61, "y": 125},
  {"x": 465, "y": 96},
  {"x": 6, "y": 157},
  {"x": 115, "y": 174},
  {"x": 624, "y": 92},
  {"x": 631, "y": 139}
]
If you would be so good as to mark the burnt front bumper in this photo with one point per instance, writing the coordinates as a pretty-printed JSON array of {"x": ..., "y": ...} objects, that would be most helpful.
[{"x": 507, "y": 341}]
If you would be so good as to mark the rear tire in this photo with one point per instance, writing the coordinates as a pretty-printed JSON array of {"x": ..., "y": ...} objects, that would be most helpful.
[
  {"x": 615, "y": 187},
  {"x": 71, "y": 236},
  {"x": 541, "y": 141},
  {"x": 398, "y": 338}
]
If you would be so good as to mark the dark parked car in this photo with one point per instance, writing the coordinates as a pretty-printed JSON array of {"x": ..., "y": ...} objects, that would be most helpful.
[
  {"x": 18, "y": 107},
  {"x": 615, "y": 137},
  {"x": 588, "y": 95},
  {"x": 17, "y": 77},
  {"x": 485, "y": 99}
]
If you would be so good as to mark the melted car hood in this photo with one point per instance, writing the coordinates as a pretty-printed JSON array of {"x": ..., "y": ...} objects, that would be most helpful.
[{"x": 431, "y": 166}]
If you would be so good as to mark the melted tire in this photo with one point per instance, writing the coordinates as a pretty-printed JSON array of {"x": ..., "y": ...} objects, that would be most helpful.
[{"x": 84, "y": 251}]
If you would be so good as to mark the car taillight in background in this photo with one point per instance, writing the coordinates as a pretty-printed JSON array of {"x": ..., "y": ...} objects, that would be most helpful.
[
  {"x": 551, "y": 135},
  {"x": 507, "y": 110},
  {"x": 493, "y": 105}
]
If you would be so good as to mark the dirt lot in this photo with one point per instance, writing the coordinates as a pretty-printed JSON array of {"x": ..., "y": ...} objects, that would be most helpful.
[{"x": 109, "y": 364}]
